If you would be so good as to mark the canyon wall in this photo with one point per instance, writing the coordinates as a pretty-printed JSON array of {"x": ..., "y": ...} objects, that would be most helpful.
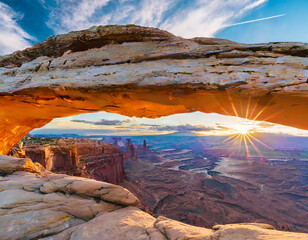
[
  {"x": 134, "y": 71},
  {"x": 106, "y": 166},
  {"x": 146, "y": 72},
  {"x": 79, "y": 157},
  {"x": 37, "y": 204}
]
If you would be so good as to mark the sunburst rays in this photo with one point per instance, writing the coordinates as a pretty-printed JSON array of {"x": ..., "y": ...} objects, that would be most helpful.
[{"x": 243, "y": 135}]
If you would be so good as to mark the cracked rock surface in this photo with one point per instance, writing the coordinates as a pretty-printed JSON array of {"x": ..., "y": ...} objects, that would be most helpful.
[
  {"x": 147, "y": 72},
  {"x": 37, "y": 204}
]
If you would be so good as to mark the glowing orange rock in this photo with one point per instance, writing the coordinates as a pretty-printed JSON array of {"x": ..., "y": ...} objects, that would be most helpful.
[{"x": 146, "y": 72}]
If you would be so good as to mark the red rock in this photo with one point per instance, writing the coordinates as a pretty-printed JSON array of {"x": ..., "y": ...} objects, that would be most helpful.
[
  {"x": 202, "y": 201},
  {"x": 80, "y": 157},
  {"x": 144, "y": 148},
  {"x": 107, "y": 166},
  {"x": 146, "y": 72},
  {"x": 130, "y": 153}
]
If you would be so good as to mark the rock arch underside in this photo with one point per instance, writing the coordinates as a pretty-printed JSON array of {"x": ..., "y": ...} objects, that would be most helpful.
[
  {"x": 146, "y": 72},
  {"x": 142, "y": 72}
]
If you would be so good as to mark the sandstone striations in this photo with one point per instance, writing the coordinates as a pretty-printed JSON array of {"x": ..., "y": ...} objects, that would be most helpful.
[
  {"x": 130, "y": 153},
  {"x": 194, "y": 199},
  {"x": 193, "y": 183},
  {"x": 146, "y": 72},
  {"x": 37, "y": 204},
  {"x": 78, "y": 157},
  {"x": 134, "y": 71}
]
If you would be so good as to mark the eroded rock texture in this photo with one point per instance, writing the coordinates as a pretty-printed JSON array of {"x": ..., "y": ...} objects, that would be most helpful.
[
  {"x": 79, "y": 157},
  {"x": 130, "y": 153},
  {"x": 37, "y": 204},
  {"x": 146, "y": 72},
  {"x": 194, "y": 199}
]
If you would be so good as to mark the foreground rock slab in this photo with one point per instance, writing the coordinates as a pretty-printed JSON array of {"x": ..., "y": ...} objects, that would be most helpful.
[
  {"x": 43, "y": 205},
  {"x": 147, "y": 72}
]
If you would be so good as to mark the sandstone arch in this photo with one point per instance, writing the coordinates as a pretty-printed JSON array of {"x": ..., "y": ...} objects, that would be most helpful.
[{"x": 137, "y": 71}]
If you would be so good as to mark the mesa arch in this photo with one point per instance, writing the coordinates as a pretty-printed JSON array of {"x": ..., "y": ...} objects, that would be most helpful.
[{"x": 147, "y": 72}]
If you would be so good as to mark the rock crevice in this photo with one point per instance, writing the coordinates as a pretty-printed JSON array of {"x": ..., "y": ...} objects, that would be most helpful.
[{"x": 43, "y": 205}]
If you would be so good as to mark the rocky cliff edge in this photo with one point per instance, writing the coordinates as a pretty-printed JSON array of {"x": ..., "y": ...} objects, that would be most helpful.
[{"x": 37, "y": 204}]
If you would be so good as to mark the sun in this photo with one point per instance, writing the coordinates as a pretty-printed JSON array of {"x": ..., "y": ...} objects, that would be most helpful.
[
  {"x": 242, "y": 129},
  {"x": 244, "y": 133},
  {"x": 244, "y": 136}
]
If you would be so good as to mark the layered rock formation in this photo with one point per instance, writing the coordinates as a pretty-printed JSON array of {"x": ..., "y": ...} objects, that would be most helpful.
[
  {"x": 146, "y": 72},
  {"x": 190, "y": 182},
  {"x": 36, "y": 204},
  {"x": 130, "y": 153},
  {"x": 201, "y": 201},
  {"x": 78, "y": 157},
  {"x": 141, "y": 72},
  {"x": 144, "y": 148},
  {"x": 107, "y": 166}
]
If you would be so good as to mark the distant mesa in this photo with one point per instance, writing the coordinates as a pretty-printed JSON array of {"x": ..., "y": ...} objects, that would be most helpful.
[
  {"x": 115, "y": 142},
  {"x": 41, "y": 205},
  {"x": 81, "y": 156},
  {"x": 96, "y": 70},
  {"x": 130, "y": 153},
  {"x": 144, "y": 148}
]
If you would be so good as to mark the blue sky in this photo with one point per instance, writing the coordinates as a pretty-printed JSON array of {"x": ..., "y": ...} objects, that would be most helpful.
[
  {"x": 25, "y": 22},
  {"x": 211, "y": 124}
]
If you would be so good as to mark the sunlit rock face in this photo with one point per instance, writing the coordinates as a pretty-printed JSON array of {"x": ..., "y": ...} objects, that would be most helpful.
[
  {"x": 78, "y": 157},
  {"x": 146, "y": 72},
  {"x": 37, "y": 204}
]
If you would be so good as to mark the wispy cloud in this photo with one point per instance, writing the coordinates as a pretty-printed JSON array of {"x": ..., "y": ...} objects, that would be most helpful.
[
  {"x": 250, "y": 5},
  {"x": 151, "y": 12},
  {"x": 13, "y": 37},
  {"x": 184, "y": 18},
  {"x": 76, "y": 15},
  {"x": 66, "y": 15},
  {"x": 208, "y": 17},
  {"x": 133, "y": 126},
  {"x": 255, "y": 20},
  {"x": 197, "y": 122},
  {"x": 182, "y": 128},
  {"x": 102, "y": 122}
]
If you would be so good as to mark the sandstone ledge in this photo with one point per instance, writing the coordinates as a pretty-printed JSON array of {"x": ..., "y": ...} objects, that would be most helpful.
[
  {"x": 43, "y": 205},
  {"x": 147, "y": 72}
]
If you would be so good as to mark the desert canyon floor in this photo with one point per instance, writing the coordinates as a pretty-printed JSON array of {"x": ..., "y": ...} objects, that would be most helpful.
[{"x": 37, "y": 204}]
